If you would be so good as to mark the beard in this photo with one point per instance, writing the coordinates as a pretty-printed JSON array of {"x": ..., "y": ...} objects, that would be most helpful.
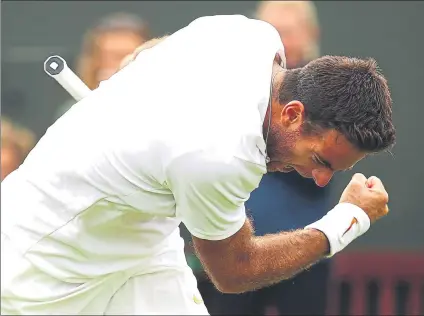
[{"x": 280, "y": 147}]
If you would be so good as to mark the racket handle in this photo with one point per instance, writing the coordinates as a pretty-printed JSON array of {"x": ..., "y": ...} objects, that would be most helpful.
[{"x": 56, "y": 67}]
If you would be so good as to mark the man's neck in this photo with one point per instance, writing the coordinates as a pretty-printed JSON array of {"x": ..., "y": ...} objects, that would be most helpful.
[{"x": 276, "y": 81}]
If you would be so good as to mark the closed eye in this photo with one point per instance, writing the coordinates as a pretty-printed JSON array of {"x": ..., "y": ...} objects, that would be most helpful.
[
  {"x": 317, "y": 160},
  {"x": 322, "y": 162}
]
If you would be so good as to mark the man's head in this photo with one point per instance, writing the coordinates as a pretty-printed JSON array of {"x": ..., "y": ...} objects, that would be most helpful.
[
  {"x": 297, "y": 24},
  {"x": 329, "y": 115}
]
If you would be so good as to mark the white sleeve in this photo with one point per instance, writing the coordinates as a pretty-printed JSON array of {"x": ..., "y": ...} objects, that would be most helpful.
[{"x": 210, "y": 193}]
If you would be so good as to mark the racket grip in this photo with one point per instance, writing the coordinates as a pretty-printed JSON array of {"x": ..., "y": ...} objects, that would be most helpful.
[{"x": 56, "y": 67}]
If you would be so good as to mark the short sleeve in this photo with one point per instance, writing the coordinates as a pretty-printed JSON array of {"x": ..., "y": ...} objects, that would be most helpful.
[{"x": 210, "y": 193}]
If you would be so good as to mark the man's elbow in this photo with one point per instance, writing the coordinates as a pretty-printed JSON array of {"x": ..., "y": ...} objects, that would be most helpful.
[{"x": 233, "y": 284}]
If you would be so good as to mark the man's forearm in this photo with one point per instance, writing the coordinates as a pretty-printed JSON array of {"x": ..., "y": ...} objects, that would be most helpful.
[
  {"x": 280, "y": 256},
  {"x": 245, "y": 262}
]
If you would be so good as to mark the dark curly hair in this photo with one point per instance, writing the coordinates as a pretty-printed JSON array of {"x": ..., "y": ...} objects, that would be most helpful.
[{"x": 349, "y": 95}]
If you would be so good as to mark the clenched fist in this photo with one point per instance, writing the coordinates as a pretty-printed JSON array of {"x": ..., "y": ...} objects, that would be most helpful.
[{"x": 369, "y": 194}]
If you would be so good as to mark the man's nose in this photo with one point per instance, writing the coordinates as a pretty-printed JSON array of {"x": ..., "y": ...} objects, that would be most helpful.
[{"x": 322, "y": 177}]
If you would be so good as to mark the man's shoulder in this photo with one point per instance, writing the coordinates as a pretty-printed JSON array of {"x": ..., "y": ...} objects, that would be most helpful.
[
  {"x": 234, "y": 132},
  {"x": 233, "y": 19},
  {"x": 251, "y": 148},
  {"x": 216, "y": 167},
  {"x": 235, "y": 24},
  {"x": 220, "y": 18}
]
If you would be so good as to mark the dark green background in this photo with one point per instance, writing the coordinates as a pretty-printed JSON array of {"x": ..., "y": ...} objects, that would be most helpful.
[{"x": 391, "y": 32}]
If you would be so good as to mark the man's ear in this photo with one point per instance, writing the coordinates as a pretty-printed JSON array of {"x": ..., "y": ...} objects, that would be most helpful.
[{"x": 293, "y": 114}]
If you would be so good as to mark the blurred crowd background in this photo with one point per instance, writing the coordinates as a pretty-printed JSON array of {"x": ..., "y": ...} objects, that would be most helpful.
[{"x": 379, "y": 274}]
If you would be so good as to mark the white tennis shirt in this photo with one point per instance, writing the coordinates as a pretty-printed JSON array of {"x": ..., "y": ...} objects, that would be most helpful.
[{"x": 174, "y": 136}]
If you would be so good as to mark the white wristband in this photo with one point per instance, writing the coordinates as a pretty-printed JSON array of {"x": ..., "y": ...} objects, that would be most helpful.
[{"x": 343, "y": 224}]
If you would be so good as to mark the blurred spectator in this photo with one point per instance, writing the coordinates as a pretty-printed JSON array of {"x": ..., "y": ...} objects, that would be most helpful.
[
  {"x": 283, "y": 201},
  {"x": 104, "y": 47},
  {"x": 16, "y": 142},
  {"x": 297, "y": 23}
]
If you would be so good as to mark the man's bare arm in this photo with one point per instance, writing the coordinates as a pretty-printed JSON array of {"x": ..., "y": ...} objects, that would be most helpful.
[
  {"x": 245, "y": 262},
  {"x": 210, "y": 199}
]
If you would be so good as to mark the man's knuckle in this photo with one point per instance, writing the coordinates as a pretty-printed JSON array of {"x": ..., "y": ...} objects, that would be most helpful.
[
  {"x": 374, "y": 178},
  {"x": 358, "y": 177},
  {"x": 384, "y": 197},
  {"x": 355, "y": 183}
]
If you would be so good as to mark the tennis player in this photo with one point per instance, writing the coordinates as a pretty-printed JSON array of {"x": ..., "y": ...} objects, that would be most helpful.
[{"x": 184, "y": 133}]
